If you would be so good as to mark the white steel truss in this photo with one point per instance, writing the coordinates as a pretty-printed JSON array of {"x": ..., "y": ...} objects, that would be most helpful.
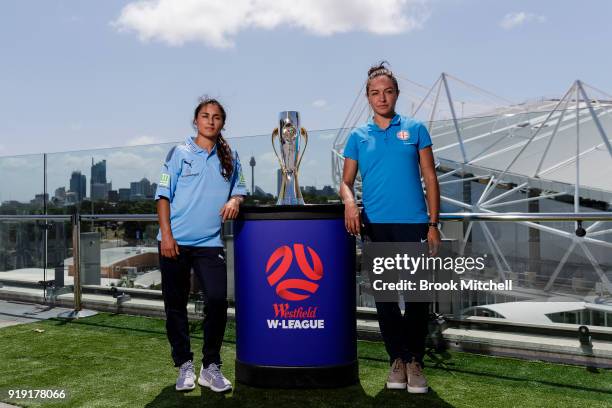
[{"x": 466, "y": 147}]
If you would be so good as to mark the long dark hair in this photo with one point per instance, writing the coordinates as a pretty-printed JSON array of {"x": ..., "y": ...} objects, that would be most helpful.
[
  {"x": 223, "y": 149},
  {"x": 378, "y": 70}
]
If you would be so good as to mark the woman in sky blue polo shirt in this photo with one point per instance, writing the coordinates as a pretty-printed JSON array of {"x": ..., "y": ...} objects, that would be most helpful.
[
  {"x": 201, "y": 185},
  {"x": 392, "y": 152}
]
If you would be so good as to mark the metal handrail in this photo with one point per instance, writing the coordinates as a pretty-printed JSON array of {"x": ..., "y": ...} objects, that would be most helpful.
[
  {"x": 118, "y": 217},
  {"x": 517, "y": 216},
  {"x": 77, "y": 218},
  {"x": 35, "y": 217},
  {"x": 514, "y": 216}
]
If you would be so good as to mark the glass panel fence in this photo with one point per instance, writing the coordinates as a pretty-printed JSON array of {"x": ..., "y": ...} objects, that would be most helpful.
[
  {"x": 35, "y": 257},
  {"x": 123, "y": 179},
  {"x": 120, "y": 254},
  {"x": 545, "y": 259},
  {"x": 556, "y": 276}
]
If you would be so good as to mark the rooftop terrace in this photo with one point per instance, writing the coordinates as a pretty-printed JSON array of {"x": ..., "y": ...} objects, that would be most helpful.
[{"x": 113, "y": 360}]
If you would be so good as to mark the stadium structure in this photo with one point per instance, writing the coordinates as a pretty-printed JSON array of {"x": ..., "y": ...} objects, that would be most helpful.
[{"x": 496, "y": 156}]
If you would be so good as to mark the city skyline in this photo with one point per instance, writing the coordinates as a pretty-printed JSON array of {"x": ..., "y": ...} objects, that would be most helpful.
[
  {"x": 100, "y": 189},
  {"x": 23, "y": 176},
  {"x": 77, "y": 190}
]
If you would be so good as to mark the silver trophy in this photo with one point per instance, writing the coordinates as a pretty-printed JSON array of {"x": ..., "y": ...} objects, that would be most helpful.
[{"x": 292, "y": 143}]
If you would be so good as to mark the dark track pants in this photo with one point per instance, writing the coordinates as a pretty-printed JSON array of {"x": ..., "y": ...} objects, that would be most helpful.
[
  {"x": 209, "y": 267},
  {"x": 404, "y": 335}
]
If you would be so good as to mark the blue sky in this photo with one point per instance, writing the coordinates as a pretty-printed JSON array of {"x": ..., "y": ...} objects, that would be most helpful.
[{"x": 76, "y": 75}]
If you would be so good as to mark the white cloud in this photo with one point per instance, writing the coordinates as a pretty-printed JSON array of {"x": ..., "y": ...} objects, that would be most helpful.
[
  {"x": 216, "y": 22},
  {"x": 516, "y": 19},
  {"x": 20, "y": 163},
  {"x": 319, "y": 103},
  {"x": 142, "y": 140}
]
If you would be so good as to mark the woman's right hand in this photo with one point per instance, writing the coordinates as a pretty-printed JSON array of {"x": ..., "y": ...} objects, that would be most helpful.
[
  {"x": 169, "y": 247},
  {"x": 352, "y": 218}
]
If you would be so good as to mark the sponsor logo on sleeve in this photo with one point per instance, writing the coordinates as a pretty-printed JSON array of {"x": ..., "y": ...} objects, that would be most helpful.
[{"x": 164, "y": 180}]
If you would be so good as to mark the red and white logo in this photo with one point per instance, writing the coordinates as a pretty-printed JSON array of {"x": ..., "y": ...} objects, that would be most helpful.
[
  {"x": 403, "y": 135},
  {"x": 282, "y": 257}
]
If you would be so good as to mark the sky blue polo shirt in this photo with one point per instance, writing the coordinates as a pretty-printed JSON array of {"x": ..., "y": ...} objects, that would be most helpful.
[
  {"x": 191, "y": 180},
  {"x": 388, "y": 161}
]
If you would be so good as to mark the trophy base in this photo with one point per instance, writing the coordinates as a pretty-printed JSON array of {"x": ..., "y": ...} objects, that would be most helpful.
[{"x": 297, "y": 377}]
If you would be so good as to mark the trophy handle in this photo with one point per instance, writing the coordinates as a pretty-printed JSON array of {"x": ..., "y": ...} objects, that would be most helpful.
[
  {"x": 275, "y": 134},
  {"x": 305, "y": 135}
]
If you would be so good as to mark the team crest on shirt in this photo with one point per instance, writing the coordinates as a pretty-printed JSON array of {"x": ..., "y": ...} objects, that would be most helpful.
[{"x": 403, "y": 135}]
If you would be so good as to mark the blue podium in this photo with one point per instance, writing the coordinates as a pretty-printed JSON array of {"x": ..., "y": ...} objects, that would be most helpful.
[{"x": 295, "y": 297}]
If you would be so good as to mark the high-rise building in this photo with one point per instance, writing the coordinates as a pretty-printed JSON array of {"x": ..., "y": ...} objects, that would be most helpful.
[
  {"x": 99, "y": 191},
  {"x": 153, "y": 190},
  {"x": 78, "y": 185},
  {"x": 139, "y": 190},
  {"x": 124, "y": 194},
  {"x": 98, "y": 171},
  {"x": 99, "y": 186},
  {"x": 113, "y": 196},
  {"x": 59, "y": 198}
]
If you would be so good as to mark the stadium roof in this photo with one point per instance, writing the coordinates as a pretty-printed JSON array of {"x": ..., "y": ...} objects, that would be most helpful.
[
  {"x": 540, "y": 144},
  {"x": 498, "y": 144}
]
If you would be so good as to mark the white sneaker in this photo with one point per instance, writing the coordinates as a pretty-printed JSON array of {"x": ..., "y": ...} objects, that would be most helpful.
[
  {"x": 212, "y": 378},
  {"x": 186, "y": 377}
]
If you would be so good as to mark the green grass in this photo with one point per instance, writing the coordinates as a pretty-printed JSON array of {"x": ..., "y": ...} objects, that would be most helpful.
[{"x": 123, "y": 361}]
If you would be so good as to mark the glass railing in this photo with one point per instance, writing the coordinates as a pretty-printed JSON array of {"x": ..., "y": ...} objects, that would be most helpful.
[
  {"x": 557, "y": 276},
  {"x": 35, "y": 252},
  {"x": 120, "y": 180},
  {"x": 123, "y": 180},
  {"x": 544, "y": 257}
]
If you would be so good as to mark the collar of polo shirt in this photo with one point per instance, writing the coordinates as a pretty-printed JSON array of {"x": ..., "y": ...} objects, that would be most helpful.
[
  {"x": 193, "y": 146},
  {"x": 373, "y": 126}
]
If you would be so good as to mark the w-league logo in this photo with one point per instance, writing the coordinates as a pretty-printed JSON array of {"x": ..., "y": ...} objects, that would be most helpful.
[{"x": 282, "y": 258}]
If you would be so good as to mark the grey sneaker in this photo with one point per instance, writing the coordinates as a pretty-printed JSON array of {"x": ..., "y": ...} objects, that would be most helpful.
[
  {"x": 396, "y": 380},
  {"x": 417, "y": 383},
  {"x": 212, "y": 378},
  {"x": 186, "y": 377}
]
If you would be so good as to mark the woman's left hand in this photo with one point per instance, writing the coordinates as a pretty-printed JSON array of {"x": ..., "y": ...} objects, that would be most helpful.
[
  {"x": 230, "y": 209},
  {"x": 434, "y": 241}
]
